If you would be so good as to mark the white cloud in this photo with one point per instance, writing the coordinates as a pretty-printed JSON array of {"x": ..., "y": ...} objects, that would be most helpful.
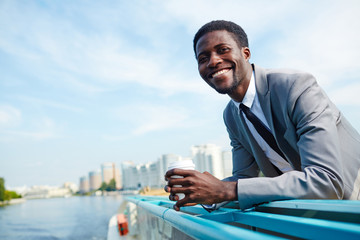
[
  {"x": 327, "y": 44},
  {"x": 89, "y": 61},
  {"x": 9, "y": 116},
  {"x": 38, "y": 136},
  {"x": 252, "y": 15},
  {"x": 148, "y": 117},
  {"x": 49, "y": 103},
  {"x": 42, "y": 129},
  {"x": 113, "y": 138},
  {"x": 347, "y": 95},
  {"x": 157, "y": 118}
]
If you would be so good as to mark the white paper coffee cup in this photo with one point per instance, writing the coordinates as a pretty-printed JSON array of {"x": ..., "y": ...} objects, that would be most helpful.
[{"x": 186, "y": 165}]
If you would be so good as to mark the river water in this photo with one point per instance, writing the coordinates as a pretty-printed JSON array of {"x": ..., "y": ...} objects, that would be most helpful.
[{"x": 76, "y": 218}]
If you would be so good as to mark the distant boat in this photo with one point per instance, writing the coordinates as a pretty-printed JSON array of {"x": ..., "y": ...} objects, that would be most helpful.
[{"x": 119, "y": 228}]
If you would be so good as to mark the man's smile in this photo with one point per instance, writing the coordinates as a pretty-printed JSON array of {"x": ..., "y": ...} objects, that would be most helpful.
[{"x": 220, "y": 72}]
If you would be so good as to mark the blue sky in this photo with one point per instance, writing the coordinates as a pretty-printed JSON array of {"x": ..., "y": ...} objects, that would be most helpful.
[{"x": 84, "y": 82}]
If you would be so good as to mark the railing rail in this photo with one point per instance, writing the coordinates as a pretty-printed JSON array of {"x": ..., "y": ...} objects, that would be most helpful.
[{"x": 293, "y": 219}]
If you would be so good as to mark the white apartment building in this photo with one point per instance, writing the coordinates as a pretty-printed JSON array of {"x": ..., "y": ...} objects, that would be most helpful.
[
  {"x": 154, "y": 179},
  {"x": 73, "y": 187},
  {"x": 148, "y": 174},
  {"x": 143, "y": 175},
  {"x": 208, "y": 157},
  {"x": 227, "y": 163},
  {"x": 46, "y": 192},
  {"x": 164, "y": 162},
  {"x": 130, "y": 174}
]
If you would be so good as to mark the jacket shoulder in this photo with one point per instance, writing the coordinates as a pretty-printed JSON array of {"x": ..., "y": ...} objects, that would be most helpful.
[
  {"x": 288, "y": 76},
  {"x": 282, "y": 80}
]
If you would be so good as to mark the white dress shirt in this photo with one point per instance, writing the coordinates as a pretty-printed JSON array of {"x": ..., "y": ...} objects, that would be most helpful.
[{"x": 252, "y": 101}]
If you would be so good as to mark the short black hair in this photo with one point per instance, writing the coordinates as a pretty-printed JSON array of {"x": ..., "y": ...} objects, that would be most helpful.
[{"x": 239, "y": 33}]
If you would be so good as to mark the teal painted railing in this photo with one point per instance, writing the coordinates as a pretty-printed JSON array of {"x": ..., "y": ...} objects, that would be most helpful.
[{"x": 292, "y": 219}]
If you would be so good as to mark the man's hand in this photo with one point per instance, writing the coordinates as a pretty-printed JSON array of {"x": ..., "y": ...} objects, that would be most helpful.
[{"x": 198, "y": 187}]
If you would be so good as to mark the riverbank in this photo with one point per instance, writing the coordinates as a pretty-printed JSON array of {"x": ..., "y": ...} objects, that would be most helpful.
[{"x": 12, "y": 201}]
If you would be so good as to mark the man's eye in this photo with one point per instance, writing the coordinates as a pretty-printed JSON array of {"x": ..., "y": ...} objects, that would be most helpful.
[
  {"x": 201, "y": 59},
  {"x": 224, "y": 49}
]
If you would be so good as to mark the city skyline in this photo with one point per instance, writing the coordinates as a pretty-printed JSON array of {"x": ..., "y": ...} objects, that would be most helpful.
[
  {"x": 206, "y": 157},
  {"x": 116, "y": 81}
]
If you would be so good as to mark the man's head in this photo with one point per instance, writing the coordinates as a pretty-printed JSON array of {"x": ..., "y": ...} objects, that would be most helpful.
[
  {"x": 239, "y": 34},
  {"x": 222, "y": 53}
]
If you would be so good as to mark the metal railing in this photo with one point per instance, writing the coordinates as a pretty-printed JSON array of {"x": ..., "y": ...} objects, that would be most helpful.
[{"x": 292, "y": 219}]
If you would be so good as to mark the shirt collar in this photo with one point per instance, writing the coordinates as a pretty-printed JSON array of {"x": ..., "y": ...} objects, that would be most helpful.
[{"x": 249, "y": 95}]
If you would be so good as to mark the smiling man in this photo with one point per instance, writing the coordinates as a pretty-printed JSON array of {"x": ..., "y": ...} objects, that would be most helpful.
[{"x": 280, "y": 122}]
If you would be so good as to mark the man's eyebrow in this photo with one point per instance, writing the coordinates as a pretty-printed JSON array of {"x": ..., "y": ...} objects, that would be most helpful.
[
  {"x": 216, "y": 46},
  {"x": 220, "y": 44}
]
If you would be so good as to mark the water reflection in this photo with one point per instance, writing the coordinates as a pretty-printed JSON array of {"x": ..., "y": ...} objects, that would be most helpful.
[{"x": 59, "y": 218}]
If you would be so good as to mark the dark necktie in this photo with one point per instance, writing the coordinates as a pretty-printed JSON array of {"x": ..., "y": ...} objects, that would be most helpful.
[{"x": 263, "y": 131}]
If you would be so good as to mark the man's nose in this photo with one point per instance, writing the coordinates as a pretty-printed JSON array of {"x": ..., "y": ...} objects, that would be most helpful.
[{"x": 214, "y": 60}]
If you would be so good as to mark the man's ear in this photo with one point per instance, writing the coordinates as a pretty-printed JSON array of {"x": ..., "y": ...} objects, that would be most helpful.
[{"x": 246, "y": 53}]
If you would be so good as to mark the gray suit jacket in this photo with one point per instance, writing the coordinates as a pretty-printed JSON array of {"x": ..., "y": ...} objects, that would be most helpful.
[{"x": 318, "y": 142}]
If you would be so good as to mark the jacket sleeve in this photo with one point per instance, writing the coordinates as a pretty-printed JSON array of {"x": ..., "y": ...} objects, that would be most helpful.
[{"x": 314, "y": 122}]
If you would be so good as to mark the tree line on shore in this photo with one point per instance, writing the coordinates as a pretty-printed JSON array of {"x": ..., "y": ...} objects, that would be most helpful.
[
  {"x": 111, "y": 186},
  {"x": 6, "y": 195},
  {"x": 108, "y": 187}
]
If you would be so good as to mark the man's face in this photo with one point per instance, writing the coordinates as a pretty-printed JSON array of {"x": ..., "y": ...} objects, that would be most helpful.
[{"x": 221, "y": 62}]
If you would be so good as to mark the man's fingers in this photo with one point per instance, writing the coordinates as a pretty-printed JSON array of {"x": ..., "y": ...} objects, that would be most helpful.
[
  {"x": 181, "y": 203},
  {"x": 173, "y": 197},
  {"x": 179, "y": 172},
  {"x": 207, "y": 173},
  {"x": 179, "y": 189},
  {"x": 176, "y": 208},
  {"x": 177, "y": 181}
]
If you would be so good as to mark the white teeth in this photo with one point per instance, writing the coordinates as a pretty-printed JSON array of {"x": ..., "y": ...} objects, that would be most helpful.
[{"x": 220, "y": 72}]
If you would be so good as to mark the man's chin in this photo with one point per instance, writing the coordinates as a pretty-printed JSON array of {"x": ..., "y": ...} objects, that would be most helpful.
[
  {"x": 225, "y": 90},
  {"x": 222, "y": 91}
]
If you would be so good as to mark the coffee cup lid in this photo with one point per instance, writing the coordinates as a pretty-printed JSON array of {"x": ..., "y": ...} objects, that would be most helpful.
[{"x": 182, "y": 164}]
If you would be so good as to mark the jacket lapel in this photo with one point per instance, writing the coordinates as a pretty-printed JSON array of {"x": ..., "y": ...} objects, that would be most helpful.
[{"x": 263, "y": 91}]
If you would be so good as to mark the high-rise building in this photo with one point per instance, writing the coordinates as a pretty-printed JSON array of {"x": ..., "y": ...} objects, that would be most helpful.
[
  {"x": 155, "y": 176},
  {"x": 208, "y": 157},
  {"x": 227, "y": 163},
  {"x": 164, "y": 162},
  {"x": 94, "y": 180},
  {"x": 84, "y": 185},
  {"x": 166, "y": 159},
  {"x": 109, "y": 171},
  {"x": 144, "y": 175},
  {"x": 129, "y": 175}
]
